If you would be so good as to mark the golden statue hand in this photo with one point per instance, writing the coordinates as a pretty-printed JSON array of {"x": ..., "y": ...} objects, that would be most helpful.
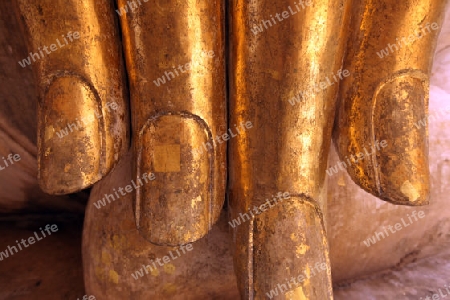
[
  {"x": 387, "y": 93},
  {"x": 284, "y": 69}
]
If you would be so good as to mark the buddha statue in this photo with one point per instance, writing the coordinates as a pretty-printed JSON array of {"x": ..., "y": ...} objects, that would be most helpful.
[{"x": 239, "y": 101}]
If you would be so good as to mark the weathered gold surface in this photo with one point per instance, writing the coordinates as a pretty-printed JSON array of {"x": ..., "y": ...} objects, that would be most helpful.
[
  {"x": 175, "y": 119},
  {"x": 287, "y": 149},
  {"x": 81, "y": 90},
  {"x": 114, "y": 250},
  {"x": 386, "y": 94}
]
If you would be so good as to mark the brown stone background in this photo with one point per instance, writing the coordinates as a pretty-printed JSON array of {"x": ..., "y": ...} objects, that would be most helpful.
[{"x": 409, "y": 264}]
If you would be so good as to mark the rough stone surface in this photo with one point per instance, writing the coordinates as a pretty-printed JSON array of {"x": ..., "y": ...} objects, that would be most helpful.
[
  {"x": 49, "y": 268},
  {"x": 413, "y": 281}
]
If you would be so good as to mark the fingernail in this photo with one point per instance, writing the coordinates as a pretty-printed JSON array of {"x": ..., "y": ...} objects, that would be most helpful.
[
  {"x": 69, "y": 137},
  {"x": 402, "y": 166},
  {"x": 175, "y": 208},
  {"x": 287, "y": 252}
]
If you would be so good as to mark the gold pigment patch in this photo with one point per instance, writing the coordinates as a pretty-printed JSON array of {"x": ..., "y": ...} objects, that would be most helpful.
[{"x": 167, "y": 158}]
